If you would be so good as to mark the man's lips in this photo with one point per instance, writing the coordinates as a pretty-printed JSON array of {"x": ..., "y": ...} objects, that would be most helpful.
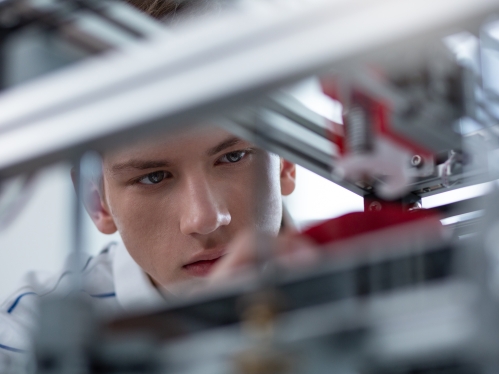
[
  {"x": 200, "y": 268},
  {"x": 202, "y": 264}
]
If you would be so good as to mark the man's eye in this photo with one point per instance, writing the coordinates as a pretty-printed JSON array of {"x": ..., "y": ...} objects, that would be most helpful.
[
  {"x": 232, "y": 157},
  {"x": 153, "y": 178}
]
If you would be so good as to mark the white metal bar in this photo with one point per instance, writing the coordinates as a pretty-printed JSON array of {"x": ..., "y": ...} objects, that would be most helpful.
[{"x": 209, "y": 66}]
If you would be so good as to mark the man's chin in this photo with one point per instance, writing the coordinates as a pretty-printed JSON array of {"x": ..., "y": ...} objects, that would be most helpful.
[{"x": 186, "y": 287}]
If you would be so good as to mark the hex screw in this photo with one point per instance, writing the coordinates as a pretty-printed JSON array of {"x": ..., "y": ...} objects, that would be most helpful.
[
  {"x": 416, "y": 161},
  {"x": 375, "y": 206}
]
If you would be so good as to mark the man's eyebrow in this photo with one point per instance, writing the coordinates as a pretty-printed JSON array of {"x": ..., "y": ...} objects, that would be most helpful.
[
  {"x": 227, "y": 143},
  {"x": 139, "y": 165}
]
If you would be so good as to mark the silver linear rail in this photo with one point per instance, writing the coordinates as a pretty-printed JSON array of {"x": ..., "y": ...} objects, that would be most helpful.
[{"x": 163, "y": 83}]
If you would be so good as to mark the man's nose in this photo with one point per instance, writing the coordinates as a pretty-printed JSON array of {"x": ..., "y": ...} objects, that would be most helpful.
[{"x": 202, "y": 210}]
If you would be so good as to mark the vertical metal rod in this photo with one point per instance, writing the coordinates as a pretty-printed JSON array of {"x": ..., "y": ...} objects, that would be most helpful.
[
  {"x": 77, "y": 247},
  {"x": 88, "y": 170},
  {"x": 264, "y": 251},
  {"x": 3, "y": 62}
]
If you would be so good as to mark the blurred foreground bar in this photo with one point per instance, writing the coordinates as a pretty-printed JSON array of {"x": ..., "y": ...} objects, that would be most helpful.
[{"x": 167, "y": 82}]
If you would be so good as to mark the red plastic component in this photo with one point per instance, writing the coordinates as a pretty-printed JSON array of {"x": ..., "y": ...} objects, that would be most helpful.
[
  {"x": 354, "y": 224},
  {"x": 379, "y": 112}
]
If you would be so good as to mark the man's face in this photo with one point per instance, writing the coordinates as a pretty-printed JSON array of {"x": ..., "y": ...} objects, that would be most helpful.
[{"x": 179, "y": 200}]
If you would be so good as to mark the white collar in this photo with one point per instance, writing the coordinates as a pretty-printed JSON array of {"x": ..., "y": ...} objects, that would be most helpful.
[{"x": 133, "y": 288}]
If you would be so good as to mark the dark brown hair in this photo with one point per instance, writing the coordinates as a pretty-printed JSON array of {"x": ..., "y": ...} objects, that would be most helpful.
[
  {"x": 157, "y": 8},
  {"x": 166, "y": 10}
]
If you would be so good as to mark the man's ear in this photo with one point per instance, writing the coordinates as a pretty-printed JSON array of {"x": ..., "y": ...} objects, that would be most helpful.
[
  {"x": 96, "y": 206},
  {"x": 288, "y": 177}
]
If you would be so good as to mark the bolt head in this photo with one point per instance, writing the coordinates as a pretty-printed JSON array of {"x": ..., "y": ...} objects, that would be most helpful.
[
  {"x": 416, "y": 160},
  {"x": 375, "y": 206}
]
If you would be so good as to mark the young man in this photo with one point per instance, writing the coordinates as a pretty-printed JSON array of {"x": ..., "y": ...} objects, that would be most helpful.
[{"x": 178, "y": 201}]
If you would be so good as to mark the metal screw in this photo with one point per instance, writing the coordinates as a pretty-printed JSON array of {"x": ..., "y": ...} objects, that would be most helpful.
[
  {"x": 375, "y": 206},
  {"x": 416, "y": 160}
]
